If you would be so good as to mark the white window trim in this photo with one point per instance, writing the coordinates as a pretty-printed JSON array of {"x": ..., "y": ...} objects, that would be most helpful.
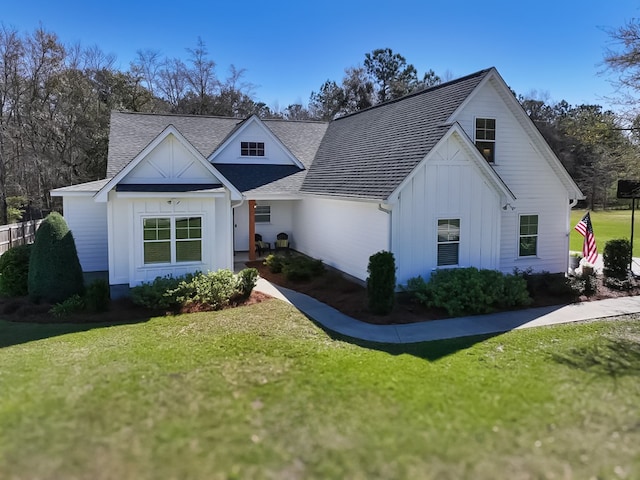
[
  {"x": 518, "y": 237},
  {"x": 438, "y": 243},
  {"x": 476, "y": 140},
  {"x": 264, "y": 146},
  {"x": 172, "y": 238}
]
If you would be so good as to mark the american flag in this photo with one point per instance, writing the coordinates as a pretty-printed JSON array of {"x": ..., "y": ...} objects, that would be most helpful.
[{"x": 589, "y": 247}]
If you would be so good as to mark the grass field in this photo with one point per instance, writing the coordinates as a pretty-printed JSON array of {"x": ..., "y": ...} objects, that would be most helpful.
[
  {"x": 260, "y": 392},
  {"x": 607, "y": 225}
]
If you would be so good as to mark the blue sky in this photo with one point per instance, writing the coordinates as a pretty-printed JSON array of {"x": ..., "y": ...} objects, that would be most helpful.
[{"x": 289, "y": 48}]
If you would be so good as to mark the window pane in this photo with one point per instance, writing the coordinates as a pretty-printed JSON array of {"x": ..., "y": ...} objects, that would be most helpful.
[
  {"x": 487, "y": 149},
  {"x": 528, "y": 246},
  {"x": 188, "y": 251},
  {"x": 449, "y": 230},
  {"x": 448, "y": 254},
  {"x": 157, "y": 252}
]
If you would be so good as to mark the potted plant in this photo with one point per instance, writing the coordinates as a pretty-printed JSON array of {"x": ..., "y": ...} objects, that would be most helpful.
[{"x": 574, "y": 260}]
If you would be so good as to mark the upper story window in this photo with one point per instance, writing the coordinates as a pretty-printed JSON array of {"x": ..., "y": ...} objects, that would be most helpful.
[
  {"x": 252, "y": 149},
  {"x": 486, "y": 138}
]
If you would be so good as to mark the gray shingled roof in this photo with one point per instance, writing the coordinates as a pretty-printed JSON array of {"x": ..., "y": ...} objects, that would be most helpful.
[
  {"x": 368, "y": 154},
  {"x": 131, "y": 132}
]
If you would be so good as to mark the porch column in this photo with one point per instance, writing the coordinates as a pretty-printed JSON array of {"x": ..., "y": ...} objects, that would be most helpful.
[{"x": 252, "y": 230}]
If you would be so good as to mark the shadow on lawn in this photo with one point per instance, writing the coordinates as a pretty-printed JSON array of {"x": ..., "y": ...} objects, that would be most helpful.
[
  {"x": 611, "y": 357},
  {"x": 432, "y": 350},
  {"x": 16, "y": 333}
]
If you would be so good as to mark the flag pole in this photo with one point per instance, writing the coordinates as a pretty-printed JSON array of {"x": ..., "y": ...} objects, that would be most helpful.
[{"x": 633, "y": 214}]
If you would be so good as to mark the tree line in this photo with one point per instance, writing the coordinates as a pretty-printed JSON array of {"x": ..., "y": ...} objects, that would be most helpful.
[{"x": 55, "y": 102}]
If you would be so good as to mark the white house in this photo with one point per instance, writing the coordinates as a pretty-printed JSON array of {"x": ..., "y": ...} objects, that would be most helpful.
[{"x": 454, "y": 175}]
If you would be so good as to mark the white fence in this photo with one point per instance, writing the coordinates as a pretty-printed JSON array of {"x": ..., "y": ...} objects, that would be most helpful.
[{"x": 17, "y": 234}]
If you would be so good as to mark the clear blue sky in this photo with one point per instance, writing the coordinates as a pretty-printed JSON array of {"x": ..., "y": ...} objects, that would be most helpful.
[{"x": 289, "y": 48}]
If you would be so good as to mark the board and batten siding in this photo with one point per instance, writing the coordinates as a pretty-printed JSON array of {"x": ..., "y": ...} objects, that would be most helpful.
[
  {"x": 537, "y": 188},
  {"x": 341, "y": 233},
  {"x": 125, "y": 236},
  {"x": 447, "y": 186},
  {"x": 87, "y": 221}
]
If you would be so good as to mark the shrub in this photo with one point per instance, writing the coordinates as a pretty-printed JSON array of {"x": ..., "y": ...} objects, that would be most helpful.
[
  {"x": 97, "y": 297},
  {"x": 274, "y": 263},
  {"x": 545, "y": 283},
  {"x": 616, "y": 257},
  {"x": 154, "y": 294},
  {"x": 300, "y": 268},
  {"x": 55, "y": 273},
  {"x": 247, "y": 279},
  {"x": 14, "y": 271},
  {"x": 469, "y": 291},
  {"x": 381, "y": 282},
  {"x": 213, "y": 289},
  {"x": 73, "y": 304}
]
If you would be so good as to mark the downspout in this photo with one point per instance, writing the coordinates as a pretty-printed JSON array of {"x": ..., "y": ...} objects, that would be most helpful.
[{"x": 388, "y": 212}]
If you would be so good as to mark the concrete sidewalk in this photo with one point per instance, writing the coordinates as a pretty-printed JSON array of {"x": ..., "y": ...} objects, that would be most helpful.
[{"x": 340, "y": 323}]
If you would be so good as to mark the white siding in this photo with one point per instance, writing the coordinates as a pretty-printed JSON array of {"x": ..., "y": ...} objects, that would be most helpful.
[
  {"x": 447, "y": 186},
  {"x": 125, "y": 236},
  {"x": 169, "y": 162},
  {"x": 343, "y": 234},
  {"x": 281, "y": 221},
  {"x": 529, "y": 176},
  {"x": 274, "y": 152},
  {"x": 87, "y": 221}
]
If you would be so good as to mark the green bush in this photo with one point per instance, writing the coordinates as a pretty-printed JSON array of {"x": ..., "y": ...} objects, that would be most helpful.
[
  {"x": 14, "y": 271},
  {"x": 55, "y": 273},
  {"x": 616, "y": 257},
  {"x": 212, "y": 289},
  {"x": 247, "y": 280},
  {"x": 97, "y": 297},
  {"x": 274, "y": 263},
  {"x": 381, "y": 282},
  {"x": 469, "y": 291},
  {"x": 73, "y": 304},
  {"x": 545, "y": 283},
  {"x": 154, "y": 294},
  {"x": 299, "y": 268}
]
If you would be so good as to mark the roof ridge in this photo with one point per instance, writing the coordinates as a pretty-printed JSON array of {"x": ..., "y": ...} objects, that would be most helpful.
[{"x": 420, "y": 92}]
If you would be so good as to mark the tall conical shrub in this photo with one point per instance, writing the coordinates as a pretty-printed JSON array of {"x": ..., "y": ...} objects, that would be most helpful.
[
  {"x": 381, "y": 283},
  {"x": 54, "y": 268}
]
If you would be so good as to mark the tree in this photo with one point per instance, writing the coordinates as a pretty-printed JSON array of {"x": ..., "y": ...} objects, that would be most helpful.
[
  {"x": 55, "y": 273},
  {"x": 328, "y": 102},
  {"x": 626, "y": 60}
]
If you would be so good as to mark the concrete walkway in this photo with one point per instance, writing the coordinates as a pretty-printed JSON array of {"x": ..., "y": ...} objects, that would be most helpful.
[{"x": 340, "y": 323}]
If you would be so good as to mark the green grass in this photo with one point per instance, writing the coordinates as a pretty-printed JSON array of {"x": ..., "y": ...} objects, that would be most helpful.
[
  {"x": 260, "y": 392},
  {"x": 607, "y": 225}
]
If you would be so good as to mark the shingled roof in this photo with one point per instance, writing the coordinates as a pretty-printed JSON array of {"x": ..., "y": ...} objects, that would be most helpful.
[{"x": 369, "y": 153}]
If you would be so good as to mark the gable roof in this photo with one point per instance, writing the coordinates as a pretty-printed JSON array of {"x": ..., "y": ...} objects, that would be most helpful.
[{"x": 369, "y": 153}]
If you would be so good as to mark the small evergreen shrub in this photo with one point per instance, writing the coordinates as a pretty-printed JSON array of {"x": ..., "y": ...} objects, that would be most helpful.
[
  {"x": 14, "y": 271},
  {"x": 469, "y": 291},
  {"x": 274, "y": 263},
  {"x": 55, "y": 273},
  {"x": 73, "y": 304},
  {"x": 154, "y": 294},
  {"x": 381, "y": 282},
  {"x": 616, "y": 257},
  {"x": 97, "y": 296},
  {"x": 545, "y": 283},
  {"x": 212, "y": 289},
  {"x": 247, "y": 280},
  {"x": 300, "y": 268},
  {"x": 622, "y": 284}
]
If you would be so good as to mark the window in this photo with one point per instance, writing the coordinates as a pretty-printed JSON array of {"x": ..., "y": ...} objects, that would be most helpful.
[
  {"x": 263, "y": 214},
  {"x": 252, "y": 149},
  {"x": 448, "y": 241},
  {"x": 172, "y": 240},
  {"x": 486, "y": 138},
  {"x": 528, "y": 235}
]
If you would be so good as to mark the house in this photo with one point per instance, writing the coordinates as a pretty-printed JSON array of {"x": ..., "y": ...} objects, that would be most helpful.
[{"x": 454, "y": 175}]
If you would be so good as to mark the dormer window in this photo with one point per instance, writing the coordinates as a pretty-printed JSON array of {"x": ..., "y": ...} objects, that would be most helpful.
[
  {"x": 252, "y": 149},
  {"x": 486, "y": 138}
]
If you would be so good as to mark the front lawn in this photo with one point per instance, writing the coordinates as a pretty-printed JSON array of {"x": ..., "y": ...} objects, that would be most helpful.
[
  {"x": 261, "y": 392},
  {"x": 607, "y": 225}
]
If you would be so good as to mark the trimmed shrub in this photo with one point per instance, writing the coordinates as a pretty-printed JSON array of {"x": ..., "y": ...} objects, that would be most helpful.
[
  {"x": 73, "y": 304},
  {"x": 545, "y": 283},
  {"x": 14, "y": 271},
  {"x": 274, "y": 263},
  {"x": 300, "y": 268},
  {"x": 469, "y": 291},
  {"x": 55, "y": 273},
  {"x": 616, "y": 257},
  {"x": 154, "y": 294},
  {"x": 97, "y": 297},
  {"x": 212, "y": 289},
  {"x": 381, "y": 282},
  {"x": 247, "y": 280}
]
